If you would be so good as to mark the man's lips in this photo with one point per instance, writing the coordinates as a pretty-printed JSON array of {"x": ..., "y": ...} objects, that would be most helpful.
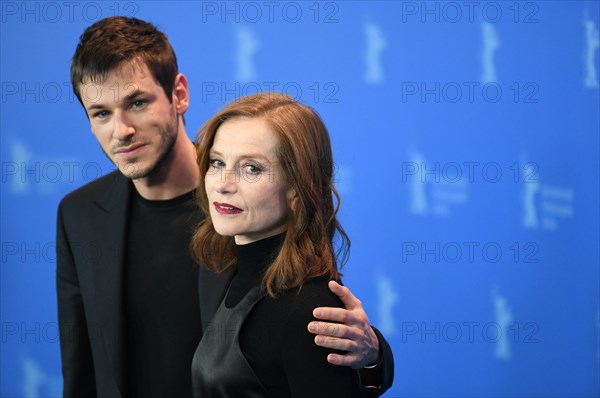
[
  {"x": 226, "y": 208},
  {"x": 130, "y": 150}
]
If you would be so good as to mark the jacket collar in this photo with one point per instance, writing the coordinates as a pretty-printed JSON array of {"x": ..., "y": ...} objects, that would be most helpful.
[
  {"x": 109, "y": 272},
  {"x": 119, "y": 186}
]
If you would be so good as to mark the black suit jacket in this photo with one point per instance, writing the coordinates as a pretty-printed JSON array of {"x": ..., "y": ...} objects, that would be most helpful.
[{"x": 90, "y": 240}]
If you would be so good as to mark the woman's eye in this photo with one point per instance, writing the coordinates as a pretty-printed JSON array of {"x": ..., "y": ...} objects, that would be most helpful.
[
  {"x": 215, "y": 163},
  {"x": 252, "y": 169}
]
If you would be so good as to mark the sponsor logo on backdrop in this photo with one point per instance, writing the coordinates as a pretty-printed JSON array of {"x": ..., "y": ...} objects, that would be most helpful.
[
  {"x": 25, "y": 172},
  {"x": 592, "y": 43},
  {"x": 387, "y": 298},
  {"x": 248, "y": 44},
  {"x": 544, "y": 205},
  {"x": 433, "y": 192},
  {"x": 38, "y": 383},
  {"x": 491, "y": 43},
  {"x": 376, "y": 43},
  {"x": 504, "y": 319},
  {"x": 344, "y": 179}
]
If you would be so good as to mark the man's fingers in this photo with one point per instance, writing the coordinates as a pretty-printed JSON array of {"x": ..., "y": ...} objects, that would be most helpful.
[
  {"x": 352, "y": 358},
  {"x": 335, "y": 343},
  {"x": 345, "y": 329},
  {"x": 343, "y": 360},
  {"x": 333, "y": 314},
  {"x": 350, "y": 302},
  {"x": 331, "y": 330}
]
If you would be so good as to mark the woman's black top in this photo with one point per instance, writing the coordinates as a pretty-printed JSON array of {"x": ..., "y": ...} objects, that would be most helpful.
[{"x": 257, "y": 346}]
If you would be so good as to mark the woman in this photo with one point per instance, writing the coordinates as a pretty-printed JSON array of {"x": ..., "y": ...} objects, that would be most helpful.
[{"x": 267, "y": 169}]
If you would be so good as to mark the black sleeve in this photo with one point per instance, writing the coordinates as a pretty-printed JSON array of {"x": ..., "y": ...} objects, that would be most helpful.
[
  {"x": 305, "y": 364},
  {"x": 75, "y": 349},
  {"x": 379, "y": 379}
]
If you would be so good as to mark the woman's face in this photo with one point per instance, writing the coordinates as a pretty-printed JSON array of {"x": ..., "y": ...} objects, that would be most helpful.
[{"x": 246, "y": 188}]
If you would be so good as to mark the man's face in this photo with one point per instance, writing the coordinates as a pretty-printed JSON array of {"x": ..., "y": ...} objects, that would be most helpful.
[{"x": 132, "y": 119}]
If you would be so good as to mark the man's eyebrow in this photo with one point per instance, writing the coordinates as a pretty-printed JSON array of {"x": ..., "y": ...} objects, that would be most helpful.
[
  {"x": 94, "y": 106},
  {"x": 134, "y": 94},
  {"x": 130, "y": 97}
]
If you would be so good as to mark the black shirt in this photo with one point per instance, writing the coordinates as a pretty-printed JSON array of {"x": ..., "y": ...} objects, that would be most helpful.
[
  {"x": 274, "y": 337},
  {"x": 161, "y": 297}
]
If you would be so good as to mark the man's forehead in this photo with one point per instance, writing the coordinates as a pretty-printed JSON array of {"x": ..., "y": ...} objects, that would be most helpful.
[
  {"x": 129, "y": 78},
  {"x": 130, "y": 71}
]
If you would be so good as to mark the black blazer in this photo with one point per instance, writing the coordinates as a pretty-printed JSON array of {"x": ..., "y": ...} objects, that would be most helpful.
[{"x": 90, "y": 243}]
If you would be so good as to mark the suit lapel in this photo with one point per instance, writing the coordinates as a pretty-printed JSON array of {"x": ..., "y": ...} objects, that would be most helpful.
[
  {"x": 109, "y": 226},
  {"x": 212, "y": 288},
  {"x": 109, "y": 273}
]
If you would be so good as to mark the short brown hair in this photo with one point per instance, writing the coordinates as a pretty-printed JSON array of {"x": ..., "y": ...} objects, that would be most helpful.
[
  {"x": 306, "y": 158},
  {"x": 111, "y": 42}
]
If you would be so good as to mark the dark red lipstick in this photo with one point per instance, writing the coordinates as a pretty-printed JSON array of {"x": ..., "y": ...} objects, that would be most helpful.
[{"x": 226, "y": 208}]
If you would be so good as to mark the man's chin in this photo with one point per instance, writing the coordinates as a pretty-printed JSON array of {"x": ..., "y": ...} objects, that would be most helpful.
[
  {"x": 135, "y": 171},
  {"x": 146, "y": 166}
]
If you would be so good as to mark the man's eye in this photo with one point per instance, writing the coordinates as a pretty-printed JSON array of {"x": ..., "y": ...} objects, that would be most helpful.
[
  {"x": 138, "y": 103},
  {"x": 100, "y": 114}
]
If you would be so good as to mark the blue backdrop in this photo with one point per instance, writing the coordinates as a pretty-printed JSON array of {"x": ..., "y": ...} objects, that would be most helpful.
[{"x": 466, "y": 140}]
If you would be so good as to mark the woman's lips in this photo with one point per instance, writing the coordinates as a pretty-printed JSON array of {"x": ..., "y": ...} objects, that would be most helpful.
[{"x": 226, "y": 208}]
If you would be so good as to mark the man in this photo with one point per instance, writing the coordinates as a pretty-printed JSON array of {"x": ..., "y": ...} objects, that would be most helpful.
[{"x": 128, "y": 289}]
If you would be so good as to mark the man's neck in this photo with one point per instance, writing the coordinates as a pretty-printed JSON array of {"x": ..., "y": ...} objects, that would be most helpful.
[{"x": 178, "y": 174}]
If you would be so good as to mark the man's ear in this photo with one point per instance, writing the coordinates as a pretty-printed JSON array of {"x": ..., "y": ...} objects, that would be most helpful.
[{"x": 181, "y": 96}]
